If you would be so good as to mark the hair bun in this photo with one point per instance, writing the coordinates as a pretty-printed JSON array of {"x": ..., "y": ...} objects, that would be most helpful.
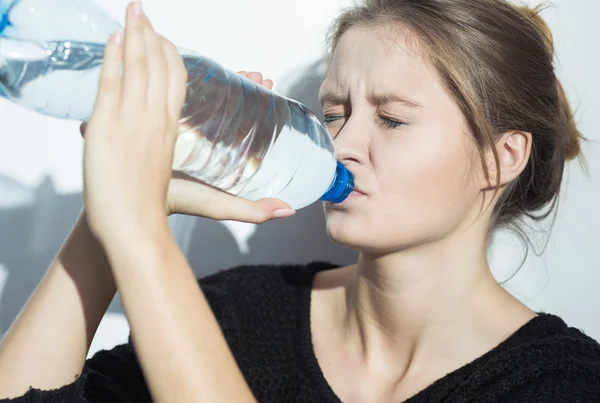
[
  {"x": 533, "y": 15},
  {"x": 572, "y": 137}
]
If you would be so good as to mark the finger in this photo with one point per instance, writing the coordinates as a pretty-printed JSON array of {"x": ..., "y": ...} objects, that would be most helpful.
[
  {"x": 177, "y": 83},
  {"x": 82, "y": 128},
  {"x": 136, "y": 61},
  {"x": 109, "y": 88},
  {"x": 254, "y": 76},
  {"x": 242, "y": 73},
  {"x": 147, "y": 23},
  {"x": 157, "y": 72},
  {"x": 268, "y": 84},
  {"x": 205, "y": 201}
]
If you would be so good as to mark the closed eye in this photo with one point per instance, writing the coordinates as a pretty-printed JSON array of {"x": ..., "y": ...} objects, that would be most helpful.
[
  {"x": 332, "y": 118},
  {"x": 388, "y": 123}
]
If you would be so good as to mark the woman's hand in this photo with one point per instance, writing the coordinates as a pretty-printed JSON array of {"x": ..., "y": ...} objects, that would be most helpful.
[
  {"x": 130, "y": 141},
  {"x": 131, "y": 135}
]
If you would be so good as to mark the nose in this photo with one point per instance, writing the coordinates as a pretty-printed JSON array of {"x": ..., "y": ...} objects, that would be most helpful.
[{"x": 352, "y": 143}]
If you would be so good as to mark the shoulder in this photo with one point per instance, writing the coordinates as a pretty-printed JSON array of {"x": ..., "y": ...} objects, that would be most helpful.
[
  {"x": 553, "y": 343},
  {"x": 568, "y": 380},
  {"x": 546, "y": 361},
  {"x": 252, "y": 279},
  {"x": 253, "y": 293},
  {"x": 258, "y": 307}
]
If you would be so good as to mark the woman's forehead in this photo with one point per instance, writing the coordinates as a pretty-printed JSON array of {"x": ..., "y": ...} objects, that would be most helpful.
[{"x": 379, "y": 60}]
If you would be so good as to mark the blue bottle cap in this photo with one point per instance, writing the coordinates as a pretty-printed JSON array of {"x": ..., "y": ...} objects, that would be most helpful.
[{"x": 341, "y": 187}]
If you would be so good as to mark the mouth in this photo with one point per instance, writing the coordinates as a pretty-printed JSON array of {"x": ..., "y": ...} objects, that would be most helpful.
[{"x": 356, "y": 193}]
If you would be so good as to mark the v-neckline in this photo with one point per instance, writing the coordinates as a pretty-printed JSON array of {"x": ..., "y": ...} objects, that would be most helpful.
[{"x": 438, "y": 388}]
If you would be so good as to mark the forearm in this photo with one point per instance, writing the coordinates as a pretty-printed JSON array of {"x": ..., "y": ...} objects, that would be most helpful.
[
  {"x": 47, "y": 345},
  {"x": 181, "y": 348}
]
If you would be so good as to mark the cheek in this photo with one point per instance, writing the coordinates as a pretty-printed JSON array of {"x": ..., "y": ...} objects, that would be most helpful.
[
  {"x": 428, "y": 183},
  {"x": 426, "y": 162}
]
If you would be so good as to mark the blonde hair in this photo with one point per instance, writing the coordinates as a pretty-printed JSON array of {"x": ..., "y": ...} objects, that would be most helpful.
[{"x": 496, "y": 61}]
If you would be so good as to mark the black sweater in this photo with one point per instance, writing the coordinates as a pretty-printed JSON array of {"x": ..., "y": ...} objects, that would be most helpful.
[{"x": 264, "y": 312}]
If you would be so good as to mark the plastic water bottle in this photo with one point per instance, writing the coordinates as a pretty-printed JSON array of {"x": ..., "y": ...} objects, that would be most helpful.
[{"x": 234, "y": 134}]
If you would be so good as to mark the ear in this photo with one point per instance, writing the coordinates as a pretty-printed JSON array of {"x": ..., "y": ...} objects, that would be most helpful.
[{"x": 513, "y": 149}]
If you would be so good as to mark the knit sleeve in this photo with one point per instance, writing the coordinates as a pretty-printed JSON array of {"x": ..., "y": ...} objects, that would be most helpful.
[
  {"x": 109, "y": 376},
  {"x": 572, "y": 384},
  {"x": 115, "y": 375}
]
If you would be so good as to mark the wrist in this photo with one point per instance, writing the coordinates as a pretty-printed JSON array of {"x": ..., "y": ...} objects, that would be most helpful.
[
  {"x": 143, "y": 260},
  {"x": 137, "y": 239}
]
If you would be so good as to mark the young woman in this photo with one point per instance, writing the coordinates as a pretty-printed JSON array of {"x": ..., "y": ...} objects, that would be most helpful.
[{"x": 450, "y": 117}]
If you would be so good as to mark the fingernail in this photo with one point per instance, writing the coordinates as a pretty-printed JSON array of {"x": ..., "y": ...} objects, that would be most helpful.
[
  {"x": 137, "y": 8},
  {"x": 118, "y": 36},
  {"x": 283, "y": 213}
]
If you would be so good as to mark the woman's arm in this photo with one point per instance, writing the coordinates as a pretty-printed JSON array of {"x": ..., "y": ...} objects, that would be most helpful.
[
  {"x": 128, "y": 156},
  {"x": 46, "y": 346},
  {"x": 181, "y": 349}
]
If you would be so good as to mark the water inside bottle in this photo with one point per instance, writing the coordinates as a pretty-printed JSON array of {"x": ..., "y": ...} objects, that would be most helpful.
[
  {"x": 235, "y": 135},
  {"x": 273, "y": 146}
]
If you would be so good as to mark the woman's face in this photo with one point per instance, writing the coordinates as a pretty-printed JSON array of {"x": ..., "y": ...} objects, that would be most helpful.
[{"x": 404, "y": 139}]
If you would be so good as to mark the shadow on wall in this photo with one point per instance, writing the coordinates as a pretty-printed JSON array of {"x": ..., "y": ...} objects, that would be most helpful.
[
  {"x": 33, "y": 226},
  {"x": 305, "y": 85},
  {"x": 35, "y": 222}
]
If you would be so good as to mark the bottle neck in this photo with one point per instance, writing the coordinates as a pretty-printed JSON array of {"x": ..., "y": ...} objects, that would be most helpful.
[
  {"x": 3, "y": 22},
  {"x": 4, "y": 11},
  {"x": 341, "y": 186}
]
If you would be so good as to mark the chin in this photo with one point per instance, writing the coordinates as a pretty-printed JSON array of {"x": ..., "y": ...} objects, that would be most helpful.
[
  {"x": 351, "y": 231},
  {"x": 343, "y": 229},
  {"x": 371, "y": 234}
]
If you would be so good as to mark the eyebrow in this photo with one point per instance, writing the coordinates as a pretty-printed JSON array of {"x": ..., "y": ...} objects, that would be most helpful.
[
  {"x": 376, "y": 100},
  {"x": 331, "y": 98},
  {"x": 388, "y": 98}
]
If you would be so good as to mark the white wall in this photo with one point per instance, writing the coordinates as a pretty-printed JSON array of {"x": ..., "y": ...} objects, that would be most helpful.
[{"x": 40, "y": 162}]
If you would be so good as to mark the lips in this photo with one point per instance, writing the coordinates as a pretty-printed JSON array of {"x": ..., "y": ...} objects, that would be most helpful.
[{"x": 358, "y": 190}]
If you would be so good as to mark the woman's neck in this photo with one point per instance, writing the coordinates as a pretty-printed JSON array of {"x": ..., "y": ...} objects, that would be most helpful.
[{"x": 435, "y": 303}]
